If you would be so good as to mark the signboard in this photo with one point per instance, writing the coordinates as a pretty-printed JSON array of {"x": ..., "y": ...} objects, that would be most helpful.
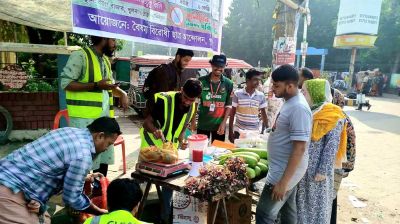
[
  {"x": 13, "y": 77},
  {"x": 395, "y": 81},
  {"x": 359, "y": 16},
  {"x": 284, "y": 51},
  {"x": 194, "y": 24},
  {"x": 350, "y": 41}
]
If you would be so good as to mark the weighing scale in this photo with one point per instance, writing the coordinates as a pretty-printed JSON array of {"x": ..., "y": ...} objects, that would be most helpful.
[{"x": 162, "y": 169}]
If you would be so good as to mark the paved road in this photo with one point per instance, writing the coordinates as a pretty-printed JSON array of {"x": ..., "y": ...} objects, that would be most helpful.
[{"x": 376, "y": 178}]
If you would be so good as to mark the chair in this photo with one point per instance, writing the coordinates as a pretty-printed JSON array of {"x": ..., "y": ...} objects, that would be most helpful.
[
  {"x": 59, "y": 115},
  {"x": 120, "y": 140}
]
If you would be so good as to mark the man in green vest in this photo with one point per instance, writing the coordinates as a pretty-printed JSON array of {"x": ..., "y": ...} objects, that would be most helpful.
[
  {"x": 123, "y": 197},
  {"x": 168, "y": 121},
  {"x": 87, "y": 80}
]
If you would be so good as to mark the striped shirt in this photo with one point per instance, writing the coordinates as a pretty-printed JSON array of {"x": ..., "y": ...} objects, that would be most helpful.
[
  {"x": 247, "y": 109},
  {"x": 60, "y": 160}
]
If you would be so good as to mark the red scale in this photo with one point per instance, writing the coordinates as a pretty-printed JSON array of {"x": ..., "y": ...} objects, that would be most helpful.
[{"x": 162, "y": 169}]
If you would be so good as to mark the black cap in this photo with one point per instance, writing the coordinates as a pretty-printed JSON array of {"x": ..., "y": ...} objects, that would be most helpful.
[
  {"x": 184, "y": 52},
  {"x": 105, "y": 124},
  {"x": 218, "y": 60}
]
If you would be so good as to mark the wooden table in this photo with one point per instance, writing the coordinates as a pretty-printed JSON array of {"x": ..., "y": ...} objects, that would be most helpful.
[{"x": 175, "y": 183}]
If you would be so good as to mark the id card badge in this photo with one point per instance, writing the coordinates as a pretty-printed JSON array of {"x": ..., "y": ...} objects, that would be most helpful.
[{"x": 212, "y": 107}]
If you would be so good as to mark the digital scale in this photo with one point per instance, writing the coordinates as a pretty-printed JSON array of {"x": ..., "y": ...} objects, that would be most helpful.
[{"x": 162, "y": 169}]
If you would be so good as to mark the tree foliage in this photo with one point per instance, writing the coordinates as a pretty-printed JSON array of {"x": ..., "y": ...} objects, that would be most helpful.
[{"x": 247, "y": 35}]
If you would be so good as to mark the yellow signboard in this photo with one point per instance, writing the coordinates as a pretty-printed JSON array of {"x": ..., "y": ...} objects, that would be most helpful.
[{"x": 356, "y": 40}]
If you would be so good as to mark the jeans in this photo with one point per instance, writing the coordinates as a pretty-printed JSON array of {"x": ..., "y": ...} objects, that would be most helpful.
[
  {"x": 268, "y": 209},
  {"x": 167, "y": 199}
]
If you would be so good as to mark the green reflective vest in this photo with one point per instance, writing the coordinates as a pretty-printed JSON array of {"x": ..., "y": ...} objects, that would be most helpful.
[
  {"x": 168, "y": 98},
  {"x": 115, "y": 217},
  {"x": 90, "y": 104}
]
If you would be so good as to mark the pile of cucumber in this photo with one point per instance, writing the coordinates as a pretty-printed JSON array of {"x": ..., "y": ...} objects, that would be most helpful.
[{"x": 256, "y": 160}]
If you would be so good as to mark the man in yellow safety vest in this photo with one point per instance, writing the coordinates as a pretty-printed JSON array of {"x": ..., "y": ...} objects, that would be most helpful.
[
  {"x": 87, "y": 80},
  {"x": 123, "y": 198},
  {"x": 168, "y": 121}
]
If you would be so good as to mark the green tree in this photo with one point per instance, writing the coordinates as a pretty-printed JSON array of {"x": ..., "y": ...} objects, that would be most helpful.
[
  {"x": 248, "y": 32},
  {"x": 248, "y": 35}
]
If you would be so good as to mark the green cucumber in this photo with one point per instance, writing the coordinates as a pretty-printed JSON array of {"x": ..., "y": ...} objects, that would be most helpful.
[
  {"x": 250, "y": 173},
  {"x": 264, "y": 161},
  {"x": 263, "y": 167},
  {"x": 257, "y": 169},
  {"x": 249, "y": 154},
  {"x": 261, "y": 152}
]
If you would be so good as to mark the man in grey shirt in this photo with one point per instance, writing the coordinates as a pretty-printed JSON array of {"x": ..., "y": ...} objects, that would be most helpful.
[{"x": 287, "y": 147}]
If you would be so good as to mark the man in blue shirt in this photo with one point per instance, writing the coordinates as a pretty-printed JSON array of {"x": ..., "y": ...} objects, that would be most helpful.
[
  {"x": 58, "y": 161},
  {"x": 287, "y": 150}
]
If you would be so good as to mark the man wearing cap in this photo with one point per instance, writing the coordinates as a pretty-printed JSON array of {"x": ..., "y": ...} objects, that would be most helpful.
[
  {"x": 57, "y": 162},
  {"x": 166, "y": 77},
  {"x": 215, "y": 101}
]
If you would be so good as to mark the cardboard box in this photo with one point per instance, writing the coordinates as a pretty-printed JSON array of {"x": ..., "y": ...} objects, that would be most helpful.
[
  {"x": 187, "y": 210},
  {"x": 238, "y": 208}
]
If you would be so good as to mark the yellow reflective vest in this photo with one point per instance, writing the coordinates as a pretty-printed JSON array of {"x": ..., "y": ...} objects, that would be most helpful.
[
  {"x": 90, "y": 104},
  {"x": 115, "y": 217},
  {"x": 148, "y": 139}
]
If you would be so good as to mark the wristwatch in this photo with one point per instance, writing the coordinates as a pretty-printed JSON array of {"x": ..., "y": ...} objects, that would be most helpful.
[{"x": 96, "y": 86}]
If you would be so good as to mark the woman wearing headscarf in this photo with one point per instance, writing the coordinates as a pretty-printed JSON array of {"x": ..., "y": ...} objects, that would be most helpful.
[
  {"x": 348, "y": 166},
  {"x": 327, "y": 150}
]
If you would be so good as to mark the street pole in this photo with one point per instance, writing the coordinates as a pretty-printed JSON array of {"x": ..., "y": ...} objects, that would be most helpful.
[
  {"x": 352, "y": 62},
  {"x": 304, "y": 44}
]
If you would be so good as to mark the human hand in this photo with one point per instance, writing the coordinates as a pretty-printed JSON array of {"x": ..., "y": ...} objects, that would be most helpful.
[
  {"x": 91, "y": 176},
  {"x": 279, "y": 191},
  {"x": 319, "y": 177},
  {"x": 158, "y": 134},
  {"x": 221, "y": 129},
  {"x": 33, "y": 206},
  {"x": 104, "y": 84},
  {"x": 124, "y": 101}
]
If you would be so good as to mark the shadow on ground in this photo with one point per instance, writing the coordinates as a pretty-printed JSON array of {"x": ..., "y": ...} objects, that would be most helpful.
[{"x": 380, "y": 121}]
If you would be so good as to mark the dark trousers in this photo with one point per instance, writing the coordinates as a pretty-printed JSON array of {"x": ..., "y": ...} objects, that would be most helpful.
[
  {"x": 334, "y": 211},
  {"x": 102, "y": 169},
  {"x": 360, "y": 105},
  {"x": 212, "y": 134}
]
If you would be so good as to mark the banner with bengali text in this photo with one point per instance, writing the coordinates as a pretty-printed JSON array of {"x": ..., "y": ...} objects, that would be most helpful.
[{"x": 192, "y": 24}]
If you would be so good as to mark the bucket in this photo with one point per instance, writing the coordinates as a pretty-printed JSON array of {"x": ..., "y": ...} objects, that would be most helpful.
[{"x": 197, "y": 142}]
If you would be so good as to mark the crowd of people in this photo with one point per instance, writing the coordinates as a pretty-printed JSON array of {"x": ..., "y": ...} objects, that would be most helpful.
[{"x": 311, "y": 143}]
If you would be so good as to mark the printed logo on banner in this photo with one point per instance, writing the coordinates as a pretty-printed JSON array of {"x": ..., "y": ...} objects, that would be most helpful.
[{"x": 177, "y": 16}]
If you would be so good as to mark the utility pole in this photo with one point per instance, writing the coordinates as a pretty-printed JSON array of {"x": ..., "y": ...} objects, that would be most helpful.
[{"x": 304, "y": 44}]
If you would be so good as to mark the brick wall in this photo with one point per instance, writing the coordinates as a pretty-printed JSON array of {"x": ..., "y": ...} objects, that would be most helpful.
[{"x": 30, "y": 111}]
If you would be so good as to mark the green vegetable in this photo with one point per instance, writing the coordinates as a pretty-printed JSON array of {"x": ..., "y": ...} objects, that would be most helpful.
[
  {"x": 258, "y": 171},
  {"x": 263, "y": 167},
  {"x": 261, "y": 152},
  {"x": 255, "y": 155},
  {"x": 250, "y": 173},
  {"x": 264, "y": 161}
]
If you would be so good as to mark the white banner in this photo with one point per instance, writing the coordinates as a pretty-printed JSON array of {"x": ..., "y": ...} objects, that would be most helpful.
[{"x": 358, "y": 16}]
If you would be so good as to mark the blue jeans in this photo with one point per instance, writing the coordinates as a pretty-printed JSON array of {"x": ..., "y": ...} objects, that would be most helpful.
[{"x": 268, "y": 209}]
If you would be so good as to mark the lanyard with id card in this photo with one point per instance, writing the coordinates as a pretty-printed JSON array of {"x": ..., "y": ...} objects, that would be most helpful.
[{"x": 213, "y": 96}]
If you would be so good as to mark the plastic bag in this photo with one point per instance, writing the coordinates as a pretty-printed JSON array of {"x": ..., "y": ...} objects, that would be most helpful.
[{"x": 166, "y": 154}]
